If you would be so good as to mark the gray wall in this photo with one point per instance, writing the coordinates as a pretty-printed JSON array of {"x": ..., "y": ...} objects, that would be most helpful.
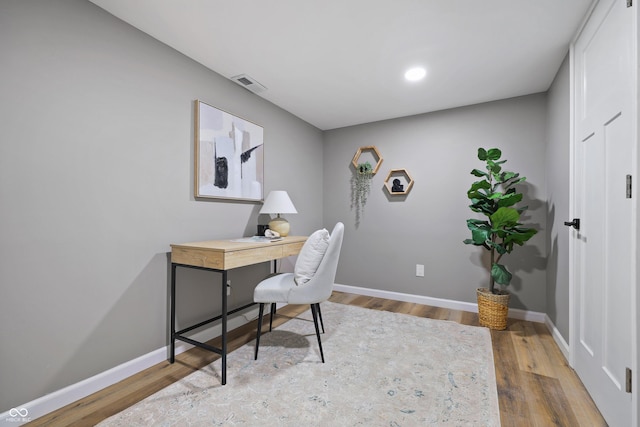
[
  {"x": 96, "y": 167},
  {"x": 429, "y": 224},
  {"x": 558, "y": 195}
]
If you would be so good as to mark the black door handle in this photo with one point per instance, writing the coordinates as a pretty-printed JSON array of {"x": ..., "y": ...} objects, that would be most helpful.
[{"x": 575, "y": 223}]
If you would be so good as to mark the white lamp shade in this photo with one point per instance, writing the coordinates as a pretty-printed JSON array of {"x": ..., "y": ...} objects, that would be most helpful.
[{"x": 278, "y": 202}]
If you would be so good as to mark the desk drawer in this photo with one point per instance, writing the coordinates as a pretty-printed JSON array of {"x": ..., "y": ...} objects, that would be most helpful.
[
  {"x": 241, "y": 258},
  {"x": 292, "y": 249},
  {"x": 198, "y": 258}
]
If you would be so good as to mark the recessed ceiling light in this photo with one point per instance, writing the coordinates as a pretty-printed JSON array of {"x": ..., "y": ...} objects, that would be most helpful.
[{"x": 415, "y": 74}]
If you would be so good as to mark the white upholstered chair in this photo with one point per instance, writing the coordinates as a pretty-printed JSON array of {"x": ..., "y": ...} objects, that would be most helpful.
[{"x": 311, "y": 282}]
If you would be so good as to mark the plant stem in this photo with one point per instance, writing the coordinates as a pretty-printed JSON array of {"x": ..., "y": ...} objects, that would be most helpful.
[{"x": 493, "y": 254}]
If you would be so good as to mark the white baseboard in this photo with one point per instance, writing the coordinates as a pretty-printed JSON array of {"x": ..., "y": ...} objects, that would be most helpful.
[
  {"x": 514, "y": 313},
  {"x": 557, "y": 337},
  {"x": 60, "y": 398}
]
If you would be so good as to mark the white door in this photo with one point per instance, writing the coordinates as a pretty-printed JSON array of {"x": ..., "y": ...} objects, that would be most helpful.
[{"x": 603, "y": 331}]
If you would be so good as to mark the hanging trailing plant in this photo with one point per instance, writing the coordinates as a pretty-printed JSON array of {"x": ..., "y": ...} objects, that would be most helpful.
[{"x": 361, "y": 187}]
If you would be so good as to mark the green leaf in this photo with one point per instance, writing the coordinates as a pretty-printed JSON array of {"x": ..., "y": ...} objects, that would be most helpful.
[
  {"x": 480, "y": 235},
  {"x": 480, "y": 184},
  {"x": 494, "y": 168},
  {"x": 476, "y": 197},
  {"x": 475, "y": 193},
  {"x": 493, "y": 154},
  {"x": 505, "y": 217},
  {"x": 483, "y": 208},
  {"x": 506, "y": 176},
  {"x": 480, "y": 231},
  {"x": 476, "y": 222},
  {"x": 504, "y": 249},
  {"x": 482, "y": 154},
  {"x": 520, "y": 235},
  {"x": 509, "y": 200},
  {"x": 514, "y": 181},
  {"x": 479, "y": 173},
  {"x": 500, "y": 274}
]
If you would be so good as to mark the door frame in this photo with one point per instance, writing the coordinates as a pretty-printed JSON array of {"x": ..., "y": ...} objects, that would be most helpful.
[{"x": 573, "y": 288}]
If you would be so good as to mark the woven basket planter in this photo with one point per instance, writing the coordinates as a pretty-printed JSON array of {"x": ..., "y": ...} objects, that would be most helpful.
[{"x": 493, "y": 308}]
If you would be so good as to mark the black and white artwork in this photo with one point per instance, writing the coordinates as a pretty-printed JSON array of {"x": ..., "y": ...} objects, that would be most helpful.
[{"x": 229, "y": 155}]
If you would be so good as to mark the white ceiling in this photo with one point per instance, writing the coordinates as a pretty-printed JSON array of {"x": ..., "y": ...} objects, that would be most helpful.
[{"x": 336, "y": 63}]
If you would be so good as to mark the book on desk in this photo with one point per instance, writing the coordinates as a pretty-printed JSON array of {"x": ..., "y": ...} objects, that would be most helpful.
[{"x": 257, "y": 239}]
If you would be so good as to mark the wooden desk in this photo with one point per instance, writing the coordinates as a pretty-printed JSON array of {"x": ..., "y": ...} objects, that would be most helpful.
[{"x": 221, "y": 256}]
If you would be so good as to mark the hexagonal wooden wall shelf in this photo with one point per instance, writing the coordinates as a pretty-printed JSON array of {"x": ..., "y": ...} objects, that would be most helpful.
[
  {"x": 374, "y": 151},
  {"x": 405, "y": 187}
]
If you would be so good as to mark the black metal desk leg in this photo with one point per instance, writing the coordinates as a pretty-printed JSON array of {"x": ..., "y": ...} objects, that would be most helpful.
[
  {"x": 224, "y": 327},
  {"x": 172, "y": 357}
]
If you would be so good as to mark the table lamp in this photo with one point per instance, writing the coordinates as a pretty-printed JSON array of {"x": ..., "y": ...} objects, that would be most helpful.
[{"x": 278, "y": 202}]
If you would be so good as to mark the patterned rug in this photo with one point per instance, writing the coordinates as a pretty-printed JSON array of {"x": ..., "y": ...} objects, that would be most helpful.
[{"x": 382, "y": 369}]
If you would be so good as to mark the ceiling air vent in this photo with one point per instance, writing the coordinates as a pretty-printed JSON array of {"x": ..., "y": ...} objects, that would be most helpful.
[{"x": 248, "y": 83}]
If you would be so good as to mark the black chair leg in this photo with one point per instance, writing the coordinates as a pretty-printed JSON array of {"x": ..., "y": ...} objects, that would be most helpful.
[
  {"x": 320, "y": 316},
  {"x": 260, "y": 313},
  {"x": 273, "y": 310},
  {"x": 314, "y": 311}
]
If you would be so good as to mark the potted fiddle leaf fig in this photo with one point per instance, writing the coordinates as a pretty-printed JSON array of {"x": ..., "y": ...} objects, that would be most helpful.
[{"x": 495, "y": 196}]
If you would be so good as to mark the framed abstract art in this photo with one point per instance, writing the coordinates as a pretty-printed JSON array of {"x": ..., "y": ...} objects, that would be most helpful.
[{"x": 229, "y": 155}]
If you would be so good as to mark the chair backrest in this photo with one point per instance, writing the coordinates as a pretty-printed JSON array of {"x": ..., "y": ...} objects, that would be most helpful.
[{"x": 320, "y": 286}]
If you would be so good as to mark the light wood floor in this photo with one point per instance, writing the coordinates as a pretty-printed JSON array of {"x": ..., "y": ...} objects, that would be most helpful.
[{"x": 536, "y": 386}]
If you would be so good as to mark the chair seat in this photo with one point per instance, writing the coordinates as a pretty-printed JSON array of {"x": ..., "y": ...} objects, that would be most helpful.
[{"x": 274, "y": 289}]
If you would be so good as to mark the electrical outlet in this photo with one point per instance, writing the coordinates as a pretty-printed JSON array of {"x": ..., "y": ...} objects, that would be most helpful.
[
  {"x": 228, "y": 287},
  {"x": 419, "y": 270}
]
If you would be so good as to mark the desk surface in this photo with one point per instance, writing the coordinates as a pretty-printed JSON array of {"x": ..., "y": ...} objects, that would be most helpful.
[{"x": 227, "y": 254}]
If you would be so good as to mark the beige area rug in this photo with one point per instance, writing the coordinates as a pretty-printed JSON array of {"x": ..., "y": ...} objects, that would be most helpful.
[{"x": 382, "y": 369}]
